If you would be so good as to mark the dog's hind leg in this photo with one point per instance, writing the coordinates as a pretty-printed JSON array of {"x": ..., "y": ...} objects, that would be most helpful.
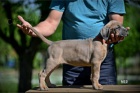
[
  {"x": 51, "y": 65},
  {"x": 42, "y": 76}
]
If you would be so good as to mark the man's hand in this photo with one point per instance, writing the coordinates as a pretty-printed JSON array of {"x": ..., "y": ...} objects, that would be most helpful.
[
  {"x": 114, "y": 38},
  {"x": 24, "y": 26}
]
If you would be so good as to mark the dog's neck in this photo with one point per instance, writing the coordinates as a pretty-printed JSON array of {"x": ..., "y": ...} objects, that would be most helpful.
[{"x": 100, "y": 39}]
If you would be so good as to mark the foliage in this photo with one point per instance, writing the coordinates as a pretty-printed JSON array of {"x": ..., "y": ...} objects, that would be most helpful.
[
  {"x": 126, "y": 50},
  {"x": 25, "y": 46},
  {"x": 130, "y": 46}
]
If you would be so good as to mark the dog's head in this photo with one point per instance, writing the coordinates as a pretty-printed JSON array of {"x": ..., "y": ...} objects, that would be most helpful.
[{"x": 113, "y": 27}]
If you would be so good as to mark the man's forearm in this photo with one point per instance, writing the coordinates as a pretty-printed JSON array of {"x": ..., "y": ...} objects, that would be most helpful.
[
  {"x": 45, "y": 28},
  {"x": 116, "y": 17}
]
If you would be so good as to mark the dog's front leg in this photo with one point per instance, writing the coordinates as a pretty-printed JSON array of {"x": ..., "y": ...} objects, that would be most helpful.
[{"x": 95, "y": 74}]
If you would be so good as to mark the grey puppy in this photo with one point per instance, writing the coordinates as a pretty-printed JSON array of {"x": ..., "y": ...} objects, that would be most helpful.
[{"x": 89, "y": 52}]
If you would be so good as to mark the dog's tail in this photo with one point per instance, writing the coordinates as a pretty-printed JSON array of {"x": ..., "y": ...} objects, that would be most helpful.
[{"x": 41, "y": 36}]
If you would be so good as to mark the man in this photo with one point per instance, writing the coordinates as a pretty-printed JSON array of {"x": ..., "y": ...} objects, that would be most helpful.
[{"x": 82, "y": 19}]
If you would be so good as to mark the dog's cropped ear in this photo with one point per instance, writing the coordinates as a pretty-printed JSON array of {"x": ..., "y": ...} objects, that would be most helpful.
[{"x": 105, "y": 32}]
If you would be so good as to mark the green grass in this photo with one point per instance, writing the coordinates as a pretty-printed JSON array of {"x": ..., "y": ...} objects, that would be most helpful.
[
  {"x": 8, "y": 87},
  {"x": 8, "y": 80}
]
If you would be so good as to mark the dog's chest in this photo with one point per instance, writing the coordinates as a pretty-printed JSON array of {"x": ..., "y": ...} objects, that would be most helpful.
[{"x": 99, "y": 50}]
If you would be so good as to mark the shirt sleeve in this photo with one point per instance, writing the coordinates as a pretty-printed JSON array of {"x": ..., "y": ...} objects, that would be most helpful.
[
  {"x": 116, "y": 6},
  {"x": 58, "y": 5}
]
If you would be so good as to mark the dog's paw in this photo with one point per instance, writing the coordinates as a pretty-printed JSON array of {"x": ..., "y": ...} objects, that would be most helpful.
[
  {"x": 98, "y": 86},
  {"x": 44, "y": 87}
]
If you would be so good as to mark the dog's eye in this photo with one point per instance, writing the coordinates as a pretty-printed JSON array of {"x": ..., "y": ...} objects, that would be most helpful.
[{"x": 118, "y": 27}]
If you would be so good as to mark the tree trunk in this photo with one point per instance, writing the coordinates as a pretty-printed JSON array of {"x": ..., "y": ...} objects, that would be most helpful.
[{"x": 25, "y": 71}]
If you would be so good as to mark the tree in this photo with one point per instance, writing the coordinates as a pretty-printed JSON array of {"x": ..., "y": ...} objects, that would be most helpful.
[{"x": 25, "y": 46}]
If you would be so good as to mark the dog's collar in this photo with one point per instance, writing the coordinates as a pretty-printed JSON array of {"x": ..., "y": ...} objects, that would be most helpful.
[{"x": 99, "y": 38}]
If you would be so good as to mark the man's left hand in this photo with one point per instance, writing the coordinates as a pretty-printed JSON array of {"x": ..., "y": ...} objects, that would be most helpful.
[{"x": 115, "y": 38}]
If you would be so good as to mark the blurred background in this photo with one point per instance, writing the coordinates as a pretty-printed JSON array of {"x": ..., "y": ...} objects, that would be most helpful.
[{"x": 22, "y": 56}]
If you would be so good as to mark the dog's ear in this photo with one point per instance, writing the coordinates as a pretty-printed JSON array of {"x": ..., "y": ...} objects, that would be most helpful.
[{"x": 105, "y": 32}]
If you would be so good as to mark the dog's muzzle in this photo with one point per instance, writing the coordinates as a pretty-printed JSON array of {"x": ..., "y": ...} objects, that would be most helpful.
[{"x": 123, "y": 32}]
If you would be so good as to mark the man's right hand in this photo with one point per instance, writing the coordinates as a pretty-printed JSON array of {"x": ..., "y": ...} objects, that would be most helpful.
[{"x": 24, "y": 26}]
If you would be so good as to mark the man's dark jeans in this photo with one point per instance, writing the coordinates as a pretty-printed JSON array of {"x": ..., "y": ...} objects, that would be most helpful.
[{"x": 81, "y": 75}]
